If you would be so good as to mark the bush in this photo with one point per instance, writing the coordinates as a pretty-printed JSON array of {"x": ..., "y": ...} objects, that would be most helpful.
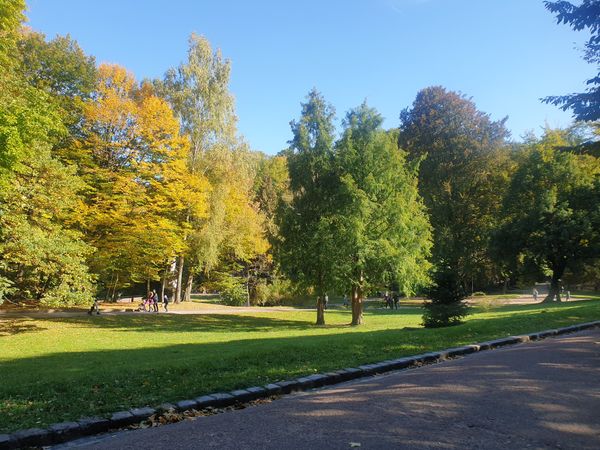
[
  {"x": 281, "y": 291},
  {"x": 447, "y": 294},
  {"x": 232, "y": 291},
  {"x": 5, "y": 288},
  {"x": 436, "y": 315},
  {"x": 271, "y": 294},
  {"x": 478, "y": 294}
]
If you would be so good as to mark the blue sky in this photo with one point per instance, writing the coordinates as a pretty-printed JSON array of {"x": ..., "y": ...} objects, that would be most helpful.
[{"x": 506, "y": 54}]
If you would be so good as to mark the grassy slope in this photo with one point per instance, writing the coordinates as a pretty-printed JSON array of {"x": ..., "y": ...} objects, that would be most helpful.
[{"x": 57, "y": 369}]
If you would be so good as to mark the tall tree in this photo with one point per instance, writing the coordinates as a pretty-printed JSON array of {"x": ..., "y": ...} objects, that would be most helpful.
[
  {"x": 586, "y": 16},
  {"x": 198, "y": 91},
  {"x": 307, "y": 242},
  {"x": 11, "y": 18},
  {"x": 42, "y": 257},
  {"x": 134, "y": 161},
  {"x": 26, "y": 113},
  {"x": 552, "y": 217},
  {"x": 461, "y": 178},
  {"x": 383, "y": 233},
  {"x": 42, "y": 253}
]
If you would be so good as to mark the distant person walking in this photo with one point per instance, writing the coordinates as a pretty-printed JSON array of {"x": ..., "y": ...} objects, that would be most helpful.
[
  {"x": 154, "y": 301},
  {"x": 94, "y": 308},
  {"x": 325, "y": 301},
  {"x": 389, "y": 302},
  {"x": 535, "y": 295},
  {"x": 148, "y": 302},
  {"x": 166, "y": 302}
]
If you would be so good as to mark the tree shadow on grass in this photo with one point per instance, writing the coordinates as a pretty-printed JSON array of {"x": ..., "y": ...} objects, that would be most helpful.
[
  {"x": 9, "y": 327},
  {"x": 231, "y": 323},
  {"x": 226, "y": 323},
  {"x": 64, "y": 386}
]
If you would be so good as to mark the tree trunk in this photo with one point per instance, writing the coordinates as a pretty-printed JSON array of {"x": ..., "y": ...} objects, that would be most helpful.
[
  {"x": 357, "y": 306},
  {"x": 320, "y": 310},
  {"x": 505, "y": 286},
  {"x": 108, "y": 286},
  {"x": 554, "y": 291},
  {"x": 114, "y": 292},
  {"x": 248, "y": 290},
  {"x": 179, "y": 279},
  {"x": 163, "y": 285},
  {"x": 188, "y": 287},
  {"x": 147, "y": 287}
]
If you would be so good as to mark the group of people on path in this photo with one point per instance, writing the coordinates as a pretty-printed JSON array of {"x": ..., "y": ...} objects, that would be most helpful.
[
  {"x": 150, "y": 303},
  {"x": 391, "y": 300}
]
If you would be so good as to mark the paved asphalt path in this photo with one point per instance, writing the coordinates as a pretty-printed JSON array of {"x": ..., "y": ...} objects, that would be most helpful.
[{"x": 538, "y": 395}]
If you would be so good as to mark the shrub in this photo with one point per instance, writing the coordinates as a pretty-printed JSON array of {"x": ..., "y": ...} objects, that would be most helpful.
[
  {"x": 446, "y": 306},
  {"x": 232, "y": 291},
  {"x": 5, "y": 288},
  {"x": 273, "y": 293}
]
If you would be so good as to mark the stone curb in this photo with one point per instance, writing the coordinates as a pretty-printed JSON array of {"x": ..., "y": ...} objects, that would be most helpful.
[{"x": 66, "y": 431}]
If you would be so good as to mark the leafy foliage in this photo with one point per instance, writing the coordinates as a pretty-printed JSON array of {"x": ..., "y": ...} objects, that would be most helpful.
[
  {"x": 60, "y": 68},
  {"x": 232, "y": 290},
  {"x": 382, "y": 230},
  {"x": 134, "y": 160},
  {"x": 551, "y": 209},
  {"x": 464, "y": 170},
  {"x": 586, "y": 105},
  {"x": 232, "y": 230},
  {"x": 42, "y": 255},
  {"x": 107, "y": 183},
  {"x": 307, "y": 242}
]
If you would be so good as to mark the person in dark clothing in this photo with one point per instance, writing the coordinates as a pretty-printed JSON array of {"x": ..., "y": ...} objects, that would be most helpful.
[
  {"x": 94, "y": 308},
  {"x": 166, "y": 302}
]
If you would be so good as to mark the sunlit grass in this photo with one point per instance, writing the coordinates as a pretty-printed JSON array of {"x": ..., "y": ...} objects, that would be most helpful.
[{"x": 56, "y": 369}]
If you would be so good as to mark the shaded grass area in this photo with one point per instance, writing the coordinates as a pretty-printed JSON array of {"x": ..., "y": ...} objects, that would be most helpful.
[{"x": 57, "y": 369}]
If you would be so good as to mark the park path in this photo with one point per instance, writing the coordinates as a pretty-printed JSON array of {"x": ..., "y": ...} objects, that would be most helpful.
[
  {"x": 539, "y": 395},
  {"x": 128, "y": 308}
]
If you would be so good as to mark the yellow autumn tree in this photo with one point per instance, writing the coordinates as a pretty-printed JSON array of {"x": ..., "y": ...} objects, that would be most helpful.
[{"x": 141, "y": 193}]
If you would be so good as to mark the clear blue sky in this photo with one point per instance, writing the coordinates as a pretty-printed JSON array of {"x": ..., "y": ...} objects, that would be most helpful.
[{"x": 506, "y": 54}]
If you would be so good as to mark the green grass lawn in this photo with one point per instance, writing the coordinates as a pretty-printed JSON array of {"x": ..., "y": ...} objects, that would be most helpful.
[{"x": 56, "y": 369}]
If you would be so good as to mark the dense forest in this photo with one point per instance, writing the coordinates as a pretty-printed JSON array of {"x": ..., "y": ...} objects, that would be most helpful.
[{"x": 110, "y": 186}]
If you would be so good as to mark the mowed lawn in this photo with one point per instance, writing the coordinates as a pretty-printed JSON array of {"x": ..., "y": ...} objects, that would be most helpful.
[{"x": 56, "y": 369}]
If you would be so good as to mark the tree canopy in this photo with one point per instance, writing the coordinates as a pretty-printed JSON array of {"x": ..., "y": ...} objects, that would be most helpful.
[
  {"x": 382, "y": 229},
  {"x": 307, "y": 240},
  {"x": 586, "y": 16},
  {"x": 462, "y": 176},
  {"x": 110, "y": 187},
  {"x": 552, "y": 217}
]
